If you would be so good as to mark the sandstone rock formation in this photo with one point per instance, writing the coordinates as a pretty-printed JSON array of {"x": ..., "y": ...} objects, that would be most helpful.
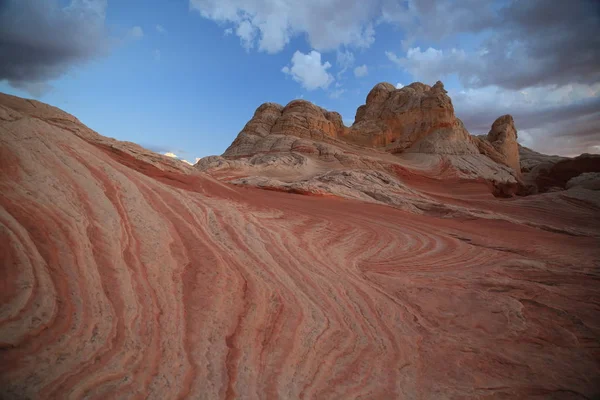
[
  {"x": 545, "y": 172},
  {"x": 126, "y": 273},
  {"x": 587, "y": 180},
  {"x": 503, "y": 136},
  {"x": 33, "y": 113},
  {"x": 415, "y": 120},
  {"x": 398, "y": 118},
  {"x": 289, "y": 128},
  {"x": 531, "y": 160},
  {"x": 559, "y": 173}
]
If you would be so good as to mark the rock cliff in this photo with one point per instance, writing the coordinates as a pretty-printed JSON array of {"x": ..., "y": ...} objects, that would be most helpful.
[{"x": 503, "y": 136}]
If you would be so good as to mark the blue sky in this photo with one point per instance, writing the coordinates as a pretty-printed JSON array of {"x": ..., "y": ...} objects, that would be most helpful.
[{"x": 185, "y": 76}]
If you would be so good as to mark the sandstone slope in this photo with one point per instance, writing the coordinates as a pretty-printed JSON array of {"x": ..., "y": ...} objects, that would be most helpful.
[{"x": 127, "y": 274}]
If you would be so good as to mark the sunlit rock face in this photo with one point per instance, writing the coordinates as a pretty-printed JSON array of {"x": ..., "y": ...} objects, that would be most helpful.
[
  {"x": 398, "y": 118},
  {"x": 415, "y": 123},
  {"x": 277, "y": 128},
  {"x": 503, "y": 136},
  {"x": 130, "y": 274}
]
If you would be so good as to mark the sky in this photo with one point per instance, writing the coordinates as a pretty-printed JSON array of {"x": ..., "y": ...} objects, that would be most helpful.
[{"x": 184, "y": 76}]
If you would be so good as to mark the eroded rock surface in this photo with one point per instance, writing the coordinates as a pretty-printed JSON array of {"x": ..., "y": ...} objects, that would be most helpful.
[
  {"x": 587, "y": 180},
  {"x": 396, "y": 119},
  {"x": 503, "y": 136},
  {"x": 125, "y": 273},
  {"x": 545, "y": 173},
  {"x": 416, "y": 124},
  {"x": 294, "y": 127}
]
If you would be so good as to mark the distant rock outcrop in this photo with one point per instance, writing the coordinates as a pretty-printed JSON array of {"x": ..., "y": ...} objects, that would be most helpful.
[
  {"x": 562, "y": 172},
  {"x": 396, "y": 119},
  {"x": 530, "y": 159},
  {"x": 290, "y": 128},
  {"x": 587, "y": 180},
  {"x": 503, "y": 136},
  {"x": 416, "y": 122},
  {"x": 417, "y": 118},
  {"x": 550, "y": 172}
]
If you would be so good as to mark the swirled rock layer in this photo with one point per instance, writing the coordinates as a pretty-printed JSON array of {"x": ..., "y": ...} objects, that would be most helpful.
[{"x": 127, "y": 275}]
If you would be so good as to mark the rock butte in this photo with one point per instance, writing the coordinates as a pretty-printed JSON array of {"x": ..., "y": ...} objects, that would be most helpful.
[{"x": 406, "y": 269}]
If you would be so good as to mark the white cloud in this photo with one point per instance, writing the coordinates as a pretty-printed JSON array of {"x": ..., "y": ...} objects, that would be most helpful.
[
  {"x": 246, "y": 32},
  {"x": 228, "y": 31},
  {"x": 514, "y": 44},
  {"x": 136, "y": 33},
  {"x": 432, "y": 64},
  {"x": 337, "y": 93},
  {"x": 160, "y": 29},
  {"x": 175, "y": 156},
  {"x": 531, "y": 99},
  {"x": 308, "y": 70},
  {"x": 361, "y": 71},
  {"x": 156, "y": 54},
  {"x": 345, "y": 60},
  {"x": 327, "y": 24},
  {"x": 399, "y": 85},
  {"x": 523, "y": 57}
]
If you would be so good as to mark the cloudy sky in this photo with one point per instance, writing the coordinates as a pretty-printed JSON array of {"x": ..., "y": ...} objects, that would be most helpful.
[{"x": 184, "y": 76}]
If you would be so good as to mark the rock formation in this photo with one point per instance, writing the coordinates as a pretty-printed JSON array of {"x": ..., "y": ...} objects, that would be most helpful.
[
  {"x": 560, "y": 173},
  {"x": 417, "y": 118},
  {"x": 126, "y": 273},
  {"x": 289, "y": 128},
  {"x": 503, "y": 136},
  {"x": 544, "y": 172},
  {"x": 587, "y": 180},
  {"x": 530, "y": 160},
  {"x": 416, "y": 122},
  {"x": 396, "y": 119}
]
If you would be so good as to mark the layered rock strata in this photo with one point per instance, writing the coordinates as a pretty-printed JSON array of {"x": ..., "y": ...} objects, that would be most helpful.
[{"x": 126, "y": 274}]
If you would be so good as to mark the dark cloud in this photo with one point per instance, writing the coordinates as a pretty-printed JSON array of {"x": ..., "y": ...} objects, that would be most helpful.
[
  {"x": 567, "y": 137},
  {"x": 435, "y": 20},
  {"x": 549, "y": 49},
  {"x": 480, "y": 120},
  {"x": 523, "y": 44},
  {"x": 40, "y": 40},
  {"x": 567, "y": 130},
  {"x": 540, "y": 42}
]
